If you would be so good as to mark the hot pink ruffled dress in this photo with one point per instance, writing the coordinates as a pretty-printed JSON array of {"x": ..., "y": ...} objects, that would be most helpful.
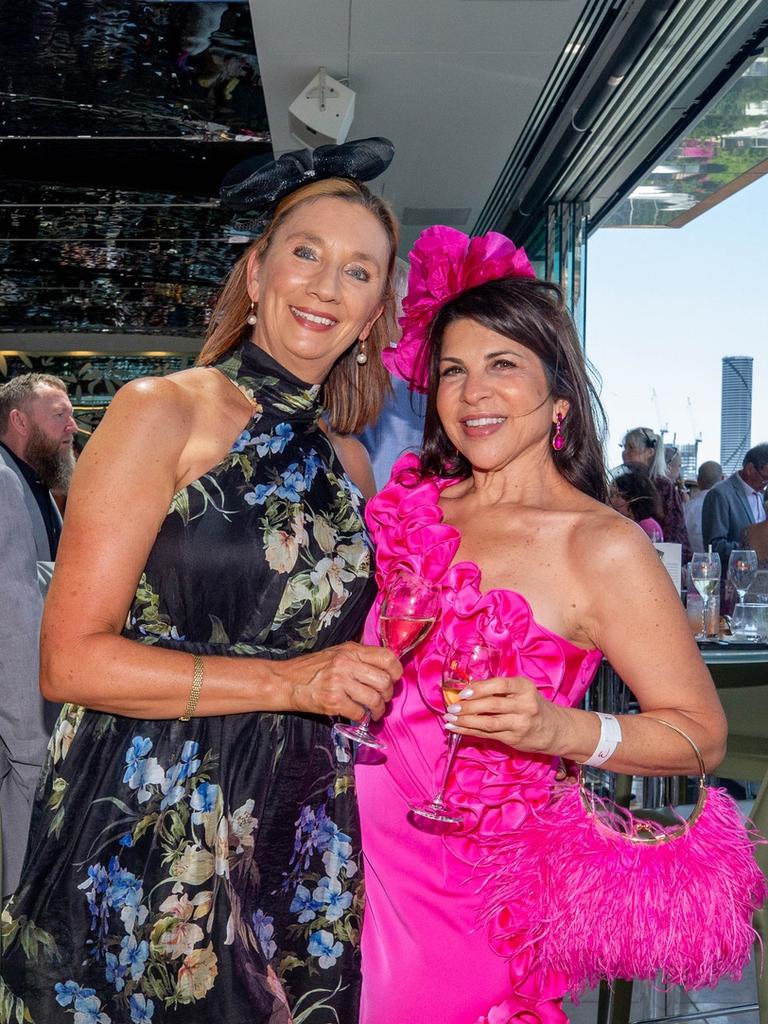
[{"x": 428, "y": 952}]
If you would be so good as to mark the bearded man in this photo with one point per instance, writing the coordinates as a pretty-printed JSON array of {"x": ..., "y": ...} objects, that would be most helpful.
[{"x": 36, "y": 429}]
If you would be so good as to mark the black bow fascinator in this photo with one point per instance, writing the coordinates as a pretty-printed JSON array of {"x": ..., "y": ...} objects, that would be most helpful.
[{"x": 253, "y": 188}]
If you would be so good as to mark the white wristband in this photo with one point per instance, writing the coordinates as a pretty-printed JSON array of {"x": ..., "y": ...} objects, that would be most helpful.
[{"x": 610, "y": 738}]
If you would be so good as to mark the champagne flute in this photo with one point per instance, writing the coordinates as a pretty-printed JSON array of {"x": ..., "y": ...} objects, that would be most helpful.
[
  {"x": 410, "y": 608},
  {"x": 742, "y": 570},
  {"x": 705, "y": 576},
  {"x": 466, "y": 662}
]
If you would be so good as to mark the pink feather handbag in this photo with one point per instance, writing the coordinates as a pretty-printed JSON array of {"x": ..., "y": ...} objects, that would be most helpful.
[{"x": 601, "y": 893}]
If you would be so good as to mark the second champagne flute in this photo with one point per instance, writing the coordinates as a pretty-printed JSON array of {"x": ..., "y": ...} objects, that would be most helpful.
[
  {"x": 409, "y": 610},
  {"x": 473, "y": 660}
]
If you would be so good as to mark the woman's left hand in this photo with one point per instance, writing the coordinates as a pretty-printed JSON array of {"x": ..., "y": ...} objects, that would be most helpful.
[{"x": 510, "y": 711}]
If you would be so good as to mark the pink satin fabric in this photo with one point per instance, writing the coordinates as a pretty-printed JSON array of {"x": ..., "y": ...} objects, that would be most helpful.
[{"x": 426, "y": 951}]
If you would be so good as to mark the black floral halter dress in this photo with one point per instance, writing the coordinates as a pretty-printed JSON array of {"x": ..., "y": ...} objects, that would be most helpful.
[{"x": 210, "y": 870}]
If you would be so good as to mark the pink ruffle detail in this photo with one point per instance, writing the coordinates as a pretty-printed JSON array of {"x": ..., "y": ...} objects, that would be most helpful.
[
  {"x": 500, "y": 786},
  {"x": 443, "y": 263}
]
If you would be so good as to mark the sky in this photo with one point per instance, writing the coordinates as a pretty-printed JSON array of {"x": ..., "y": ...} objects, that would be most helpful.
[{"x": 663, "y": 308}]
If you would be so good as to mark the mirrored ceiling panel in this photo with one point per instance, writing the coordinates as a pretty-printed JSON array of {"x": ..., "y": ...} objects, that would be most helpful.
[{"x": 117, "y": 123}]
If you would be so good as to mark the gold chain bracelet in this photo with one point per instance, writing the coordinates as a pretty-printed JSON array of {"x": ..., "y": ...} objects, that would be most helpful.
[{"x": 194, "y": 693}]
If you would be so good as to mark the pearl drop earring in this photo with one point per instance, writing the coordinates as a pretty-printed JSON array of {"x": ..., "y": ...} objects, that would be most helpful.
[
  {"x": 362, "y": 355},
  {"x": 252, "y": 318}
]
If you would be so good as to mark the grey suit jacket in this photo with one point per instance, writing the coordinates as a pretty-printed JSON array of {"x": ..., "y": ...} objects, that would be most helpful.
[
  {"x": 26, "y": 719},
  {"x": 37, "y": 524},
  {"x": 725, "y": 515}
]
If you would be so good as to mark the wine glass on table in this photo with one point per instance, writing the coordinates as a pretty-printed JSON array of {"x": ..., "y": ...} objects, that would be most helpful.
[
  {"x": 705, "y": 576},
  {"x": 410, "y": 608},
  {"x": 465, "y": 663},
  {"x": 742, "y": 570}
]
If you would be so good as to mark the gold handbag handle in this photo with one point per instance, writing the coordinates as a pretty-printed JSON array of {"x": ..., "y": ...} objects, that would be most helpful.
[{"x": 646, "y": 833}]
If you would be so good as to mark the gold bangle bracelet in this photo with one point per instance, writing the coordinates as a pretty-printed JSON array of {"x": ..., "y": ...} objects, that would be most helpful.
[{"x": 194, "y": 693}]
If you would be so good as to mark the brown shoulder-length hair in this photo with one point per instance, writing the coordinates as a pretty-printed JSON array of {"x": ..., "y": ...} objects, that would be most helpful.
[
  {"x": 532, "y": 313},
  {"x": 353, "y": 395}
]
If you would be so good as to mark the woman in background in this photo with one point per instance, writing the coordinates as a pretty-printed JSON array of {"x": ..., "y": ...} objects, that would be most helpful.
[
  {"x": 642, "y": 445},
  {"x": 634, "y": 494}
]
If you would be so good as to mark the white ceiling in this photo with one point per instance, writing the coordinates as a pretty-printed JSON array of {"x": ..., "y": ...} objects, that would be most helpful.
[{"x": 451, "y": 82}]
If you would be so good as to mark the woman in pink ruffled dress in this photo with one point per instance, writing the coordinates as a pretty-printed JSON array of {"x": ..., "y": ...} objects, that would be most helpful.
[{"x": 504, "y": 509}]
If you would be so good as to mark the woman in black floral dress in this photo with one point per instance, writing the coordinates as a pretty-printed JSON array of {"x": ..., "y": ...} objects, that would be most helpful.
[{"x": 208, "y": 869}]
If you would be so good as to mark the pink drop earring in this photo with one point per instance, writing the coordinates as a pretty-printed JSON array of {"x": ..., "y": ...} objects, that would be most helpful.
[{"x": 558, "y": 440}]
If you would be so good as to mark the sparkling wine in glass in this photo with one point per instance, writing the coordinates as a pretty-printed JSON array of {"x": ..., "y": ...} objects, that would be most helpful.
[
  {"x": 742, "y": 570},
  {"x": 409, "y": 610},
  {"x": 705, "y": 576},
  {"x": 464, "y": 664}
]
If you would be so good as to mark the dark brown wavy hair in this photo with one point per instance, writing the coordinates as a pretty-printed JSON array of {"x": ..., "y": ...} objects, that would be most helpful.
[
  {"x": 639, "y": 491},
  {"x": 531, "y": 313}
]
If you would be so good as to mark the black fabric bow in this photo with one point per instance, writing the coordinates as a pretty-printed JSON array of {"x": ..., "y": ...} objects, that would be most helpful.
[{"x": 253, "y": 187}]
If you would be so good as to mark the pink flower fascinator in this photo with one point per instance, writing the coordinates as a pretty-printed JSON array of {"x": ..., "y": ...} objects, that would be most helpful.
[{"x": 444, "y": 263}]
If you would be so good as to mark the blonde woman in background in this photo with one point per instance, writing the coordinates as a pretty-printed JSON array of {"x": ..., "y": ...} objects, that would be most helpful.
[{"x": 641, "y": 445}]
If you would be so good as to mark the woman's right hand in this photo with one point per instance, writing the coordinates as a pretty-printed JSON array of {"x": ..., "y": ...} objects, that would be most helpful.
[{"x": 342, "y": 681}]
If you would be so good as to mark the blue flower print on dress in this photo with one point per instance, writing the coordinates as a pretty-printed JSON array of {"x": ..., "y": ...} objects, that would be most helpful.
[
  {"x": 321, "y": 945},
  {"x": 172, "y": 785},
  {"x": 264, "y": 928},
  {"x": 260, "y": 493},
  {"x": 139, "y": 748},
  {"x": 332, "y": 898},
  {"x": 108, "y": 888},
  {"x": 242, "y": 442},
  {"x": 293, "y": 484},
  {"x": 273, "y": 444},
  {"x": 305, "y": 905},
  {"x": 203, "y": 801},
  {"x": 141, "y": 1009},
  {"x": 115, "y": 972},
  {"x": 142, "y": 771},
  {"x": 312, "y": 463},
  {"x": 133, "y": 955},
  {"x": 133, "y": 911},
  {"x": 338, "y": 857},
  {"x": 88, "y": 1011},
  {"x": 67, "y": 991}
]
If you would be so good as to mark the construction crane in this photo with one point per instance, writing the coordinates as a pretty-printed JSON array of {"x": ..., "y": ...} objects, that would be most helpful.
[
  {"x": 663, "y": 427},
  {"x": 696, "y": 433}
]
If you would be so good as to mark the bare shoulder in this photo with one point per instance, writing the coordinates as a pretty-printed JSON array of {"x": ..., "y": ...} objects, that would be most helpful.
[
  {"x": 356, "y": 461},
  {"x": 152, "y": 397},
  {"x": 154, "y": 416},
  {"x": 608, "y": 537}
]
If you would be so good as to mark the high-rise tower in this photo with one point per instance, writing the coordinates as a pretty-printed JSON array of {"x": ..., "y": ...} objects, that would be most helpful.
[{"x": 736, "y": 412}]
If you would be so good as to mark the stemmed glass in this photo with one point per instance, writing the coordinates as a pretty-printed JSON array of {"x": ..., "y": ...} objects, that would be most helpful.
[
  {"x": 465, "y": 662},
  {"x": 409, "y": 610},
  {"x": 742, "y": 570},
  {"x": 705, "y": 576}
]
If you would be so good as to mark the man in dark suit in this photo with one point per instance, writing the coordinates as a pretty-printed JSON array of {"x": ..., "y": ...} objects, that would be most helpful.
[
  {"x": 735, "y": 504},
  {"x": 36, "y": 429}
]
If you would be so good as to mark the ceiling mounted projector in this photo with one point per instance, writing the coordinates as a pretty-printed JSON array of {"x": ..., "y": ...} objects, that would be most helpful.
[{"x": 322, "y": 114}]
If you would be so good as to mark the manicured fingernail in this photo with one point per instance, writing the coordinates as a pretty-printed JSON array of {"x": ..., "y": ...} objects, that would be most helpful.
[
  {"x": 469, "y": 692},
  {"x": 453, "y": 709},
  {"x": 451, "y": 728}
]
